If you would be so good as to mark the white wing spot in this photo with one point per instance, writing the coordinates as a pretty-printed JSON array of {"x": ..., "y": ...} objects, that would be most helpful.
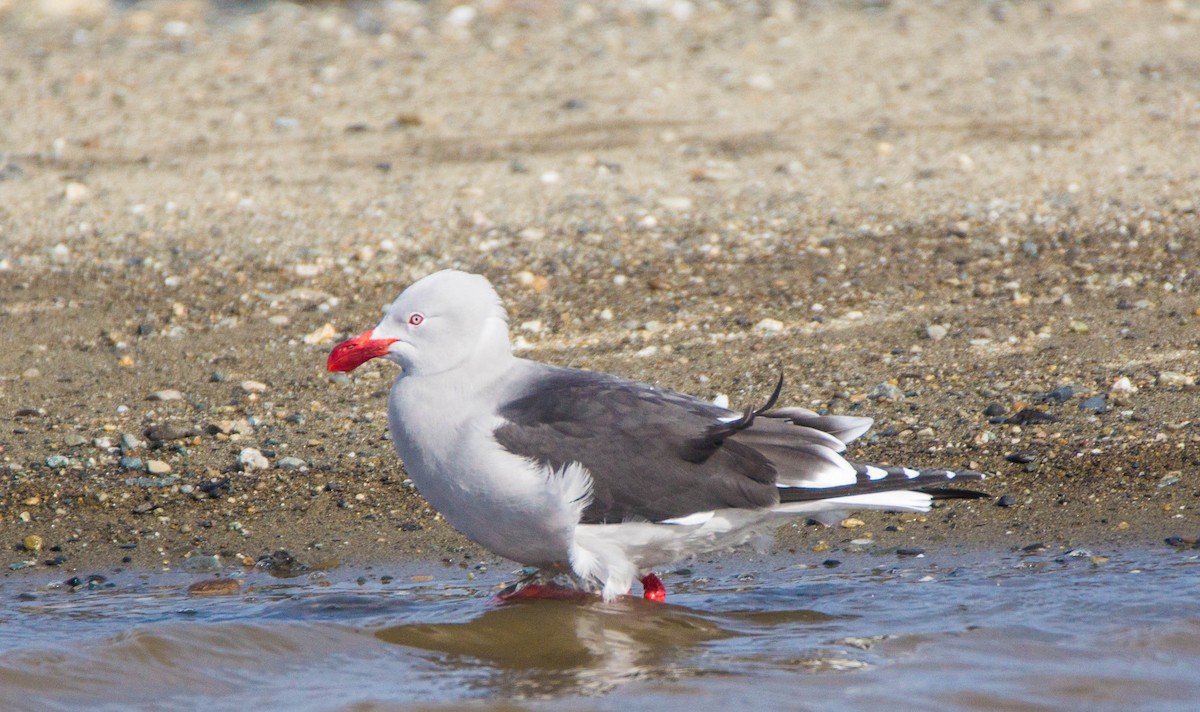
[
  {"x": 910, "y": 473},
  {"x": 876, "y": 473},
  {"x": 690, "y": 519},
  {"x": 951, "y": 474}
]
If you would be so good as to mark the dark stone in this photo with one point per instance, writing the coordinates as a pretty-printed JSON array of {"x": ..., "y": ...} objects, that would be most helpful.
[
  {"x": 169, "y": 431},
  {"x": 1034, "y": 548},
  {"x": 215, "y": 488},
  {"x": 914, "y": 551},
  {"x": 994, "y": 409},
  {"x": 281, "y": 564},
  {"x": 1029, "y": 416},
  {"x": 1058, "y": 395},
  {"x": 1095, "y": 404},
  {"x": 1006, "y": 501},
  {"x": 1020, "y": 458},
  {"x": 831, "y": 563},
  {"x": 56, "y": 561}
]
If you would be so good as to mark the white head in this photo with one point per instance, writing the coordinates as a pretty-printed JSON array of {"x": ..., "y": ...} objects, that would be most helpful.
[{"x": 439, "y": 323}]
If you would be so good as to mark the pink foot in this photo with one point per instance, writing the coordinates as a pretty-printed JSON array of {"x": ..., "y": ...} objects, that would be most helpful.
[
  {"x": 653, "y": 589},
  {"x": 519, "y": 592}
]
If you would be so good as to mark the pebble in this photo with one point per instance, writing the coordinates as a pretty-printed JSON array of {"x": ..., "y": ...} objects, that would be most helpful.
[
  {"x": 76, "y": 192},
  {"x": 1122, "y": 391},
  {"x": 1095, "y": 404},
  {"x": 937, "y": 332},
  {"x": 1175, "y": 379},
  {"x": 1059, "y": 395},
  {"x": 1029, "y": 416},
  {"x": 254, "y": 387},
  {"x": 281, "y": 564},
  {"x": 33, "y": 543},
  {"x": 202, "y": 563},
  {"x": 1079, "y": 327},
  {"x": 132, "y": 463},
  {"x": 31, "y": 373},
  {"x": 886, "y": 391},
  {"x": 169, "y": 431},
  {"x": 165, "y": 395},
  {"x": 291, "y": 463},
  {"x": 913, "y": 551},
  {"x": 74, "y": 440},
  {"x": 229, "y": 427},
  {"x": 677, "y": 203},
  {"x": 157, "y": 467},
  {"x": 215, "y": 587},
  {"x": 321, "y": 335},
  {"x": 769, "y": 326},
  {"x": 1006, "y": 501},
  {"x": 252, "y": 459},
  {"x": 58, "y": 461},
  {"x": 994, "y": 409},
  {"x": 130, "y": 442},
  {"x": 852, "y": 523}
]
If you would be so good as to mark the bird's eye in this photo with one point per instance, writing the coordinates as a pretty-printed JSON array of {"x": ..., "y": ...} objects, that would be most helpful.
[{"x": 415, "y": 319}]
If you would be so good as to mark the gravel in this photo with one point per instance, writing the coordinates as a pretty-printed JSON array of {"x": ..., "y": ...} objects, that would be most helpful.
[{"x": 1052, "y": 249}]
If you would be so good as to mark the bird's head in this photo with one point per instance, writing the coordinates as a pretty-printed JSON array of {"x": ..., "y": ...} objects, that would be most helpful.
[{"x": 441, "y": 322}]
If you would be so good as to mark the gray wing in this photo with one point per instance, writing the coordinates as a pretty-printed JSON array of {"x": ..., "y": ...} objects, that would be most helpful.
[{"x": 656, "y": 455}]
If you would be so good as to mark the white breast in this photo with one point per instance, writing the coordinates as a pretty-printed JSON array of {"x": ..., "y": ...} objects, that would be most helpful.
[{"x": 502, "y": 501}]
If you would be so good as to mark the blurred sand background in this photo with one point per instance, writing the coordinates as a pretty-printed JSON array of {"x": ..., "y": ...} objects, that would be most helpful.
[{"x": 951, "y": 217}]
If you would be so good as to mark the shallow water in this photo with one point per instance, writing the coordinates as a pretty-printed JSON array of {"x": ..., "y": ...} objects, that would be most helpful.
[{"x": 1006, "y": 632}]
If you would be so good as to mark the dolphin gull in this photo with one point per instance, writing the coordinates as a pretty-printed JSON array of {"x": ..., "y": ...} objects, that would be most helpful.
[{"x": 595, "y": 478}]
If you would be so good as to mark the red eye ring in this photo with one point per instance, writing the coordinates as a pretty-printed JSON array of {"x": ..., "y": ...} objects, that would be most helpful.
[{"x": 415, "y": 319}]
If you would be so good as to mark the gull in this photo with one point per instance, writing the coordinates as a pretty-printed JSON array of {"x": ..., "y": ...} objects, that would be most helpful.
[{"x": 596, "y": 479}]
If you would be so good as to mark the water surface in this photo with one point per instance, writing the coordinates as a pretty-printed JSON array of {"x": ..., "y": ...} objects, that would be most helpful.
[{"x": 974, "y": 632}]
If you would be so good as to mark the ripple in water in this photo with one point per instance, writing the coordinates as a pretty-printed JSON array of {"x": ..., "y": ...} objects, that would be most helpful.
[{"x": 1014, "y": 633}]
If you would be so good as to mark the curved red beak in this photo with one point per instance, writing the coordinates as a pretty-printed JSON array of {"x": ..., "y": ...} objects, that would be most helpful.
[{"x": 352, "y": 353}]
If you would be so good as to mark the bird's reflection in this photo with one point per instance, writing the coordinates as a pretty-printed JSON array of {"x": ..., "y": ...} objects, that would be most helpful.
[{"x": 546, "y": 648}]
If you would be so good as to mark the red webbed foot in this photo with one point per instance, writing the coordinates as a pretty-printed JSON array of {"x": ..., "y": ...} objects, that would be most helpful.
[
  {"x": 653, "y": 589},
  {"x": 528, "y": 591}
]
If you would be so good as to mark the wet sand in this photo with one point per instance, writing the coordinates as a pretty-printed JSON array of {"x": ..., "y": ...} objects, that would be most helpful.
[{"x": 935, "y": 217}]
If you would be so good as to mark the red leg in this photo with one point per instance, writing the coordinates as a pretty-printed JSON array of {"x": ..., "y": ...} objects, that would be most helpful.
[{"x": 653, "y": 589}]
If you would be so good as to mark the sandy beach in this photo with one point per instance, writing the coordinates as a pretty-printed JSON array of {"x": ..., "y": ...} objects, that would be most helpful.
[{"x": 975, "y": 223}]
